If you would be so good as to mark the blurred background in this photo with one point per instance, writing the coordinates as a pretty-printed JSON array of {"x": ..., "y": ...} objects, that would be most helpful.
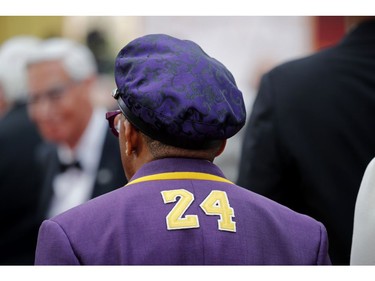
[{"x": 248, "y": 45}]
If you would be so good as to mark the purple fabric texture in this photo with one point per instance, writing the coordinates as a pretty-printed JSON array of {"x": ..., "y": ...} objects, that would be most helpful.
[
  {"x": 128, "y": 227},
  {"x": 179, "y": 91}
]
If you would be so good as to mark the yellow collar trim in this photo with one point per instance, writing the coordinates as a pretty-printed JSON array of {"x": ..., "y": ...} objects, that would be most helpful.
[{"x": 180, "y": 176}]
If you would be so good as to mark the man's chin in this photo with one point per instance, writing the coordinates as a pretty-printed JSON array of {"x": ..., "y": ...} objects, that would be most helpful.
[{"x": 54, "y": 138}]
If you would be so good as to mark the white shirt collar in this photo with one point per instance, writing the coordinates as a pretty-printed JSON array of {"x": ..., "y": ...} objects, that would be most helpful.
[{"x": 74, "y": 186}]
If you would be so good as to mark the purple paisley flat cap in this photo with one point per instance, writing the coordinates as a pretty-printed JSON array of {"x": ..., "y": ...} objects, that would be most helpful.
[{"x": 172, "y": 91}]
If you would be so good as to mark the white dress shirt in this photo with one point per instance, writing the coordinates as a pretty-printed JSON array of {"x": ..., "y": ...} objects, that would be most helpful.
[{"x": 75, "y": 186}]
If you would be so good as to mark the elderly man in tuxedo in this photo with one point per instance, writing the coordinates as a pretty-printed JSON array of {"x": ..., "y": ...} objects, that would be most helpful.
[{"x": 82, "y": 159}]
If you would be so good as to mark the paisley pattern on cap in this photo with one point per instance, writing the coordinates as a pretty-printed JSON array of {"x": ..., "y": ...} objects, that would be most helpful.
[{"x": 174, "y": 87}]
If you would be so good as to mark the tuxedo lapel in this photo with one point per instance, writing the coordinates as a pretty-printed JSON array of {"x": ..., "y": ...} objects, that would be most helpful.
[
  {"x": 49, "y": 164},
  {"x": 110, "y": 173}
]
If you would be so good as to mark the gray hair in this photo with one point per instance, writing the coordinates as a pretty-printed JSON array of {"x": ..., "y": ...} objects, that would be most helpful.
[
  {"x": 77, "y": 59},
  {"x": 14, "y": 54}
]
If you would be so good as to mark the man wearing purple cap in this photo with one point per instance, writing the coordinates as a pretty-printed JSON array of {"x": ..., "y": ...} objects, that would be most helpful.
[{"x": 177, "y": 107}]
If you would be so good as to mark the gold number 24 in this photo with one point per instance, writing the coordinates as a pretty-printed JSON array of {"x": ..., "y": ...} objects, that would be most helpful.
[{"x": 215, "y": 204}]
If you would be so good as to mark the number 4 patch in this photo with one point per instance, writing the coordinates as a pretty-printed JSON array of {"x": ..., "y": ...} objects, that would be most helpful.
[{"x": 215, "y": 204}]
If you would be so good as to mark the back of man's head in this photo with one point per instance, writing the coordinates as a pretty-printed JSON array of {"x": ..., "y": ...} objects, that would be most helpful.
[{"x": 352, "y": 22}]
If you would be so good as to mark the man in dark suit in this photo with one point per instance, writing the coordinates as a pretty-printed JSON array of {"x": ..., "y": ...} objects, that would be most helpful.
[
  {"x": 82, "y": 158},
  {"x": 177, "y": 107},
  {"x": 311, "y": 133},
  {"x": 19, "y": 181}
]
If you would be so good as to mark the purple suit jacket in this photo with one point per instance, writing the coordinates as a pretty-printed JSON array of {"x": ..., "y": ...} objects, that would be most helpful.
[{"x": 198, "y": 218}]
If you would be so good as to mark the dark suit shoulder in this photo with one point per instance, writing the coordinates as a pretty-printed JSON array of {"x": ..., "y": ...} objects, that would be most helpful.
[
  {"x": 16, "y": 123},
  {"x": 305, "y": 67}
]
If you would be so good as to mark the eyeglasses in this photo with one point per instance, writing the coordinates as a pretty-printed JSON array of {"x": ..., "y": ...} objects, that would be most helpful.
[
  {"x": 111, "y": 116},
  {"x": 52, "y": 95}
]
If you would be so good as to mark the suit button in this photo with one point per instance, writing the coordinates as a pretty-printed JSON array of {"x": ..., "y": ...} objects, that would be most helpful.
[{"x": 104, "y": 176}]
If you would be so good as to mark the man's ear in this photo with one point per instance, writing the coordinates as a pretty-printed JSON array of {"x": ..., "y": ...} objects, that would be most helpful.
[
  {"x": 131, "y": 137},
  {"x": 222, "y": 147}
]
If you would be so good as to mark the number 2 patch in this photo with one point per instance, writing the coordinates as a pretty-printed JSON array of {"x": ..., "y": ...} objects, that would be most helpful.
[{"x": 215, "y": 204}]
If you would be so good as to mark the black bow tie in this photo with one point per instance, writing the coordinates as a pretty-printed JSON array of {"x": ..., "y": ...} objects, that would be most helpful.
[{"x": 66, "y": 166}]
